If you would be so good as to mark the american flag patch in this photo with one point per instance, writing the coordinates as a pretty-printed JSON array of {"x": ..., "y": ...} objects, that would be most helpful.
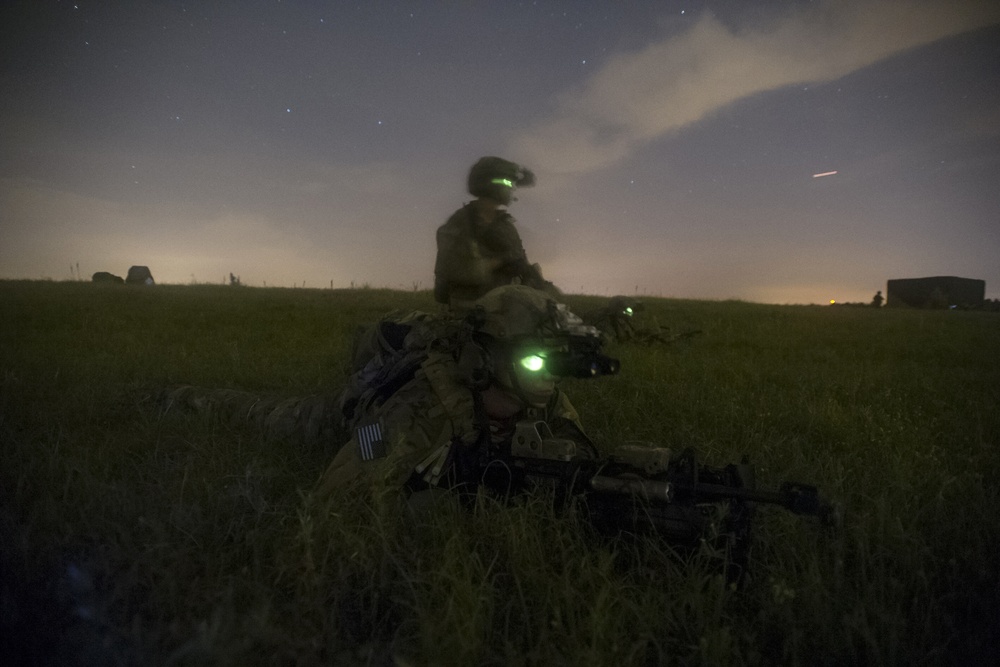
[{"x": 370, "y": 441}]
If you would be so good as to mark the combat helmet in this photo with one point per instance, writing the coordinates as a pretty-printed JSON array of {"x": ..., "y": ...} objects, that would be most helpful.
[
  {"x": 496, "y": 178},
  {"x": 518, "y": 316}
]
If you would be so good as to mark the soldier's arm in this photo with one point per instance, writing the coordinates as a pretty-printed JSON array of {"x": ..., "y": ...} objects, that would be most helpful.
[{"x": 504, "y": 240}]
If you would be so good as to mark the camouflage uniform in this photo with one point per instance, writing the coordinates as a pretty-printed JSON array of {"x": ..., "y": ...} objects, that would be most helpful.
[
  {"x": 443, "y": 411},
  {"x": 307, "y": 419},
  {"x": 616, "y": 318},
  {"x": 475, "y": 255},
  {"x": 423, "y": 396},
  {"x": 419, "y": 424},
  {"x": 472, "y": 258}
]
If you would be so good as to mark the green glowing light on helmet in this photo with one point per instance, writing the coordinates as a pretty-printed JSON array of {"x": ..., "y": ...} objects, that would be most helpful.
[
  {"x": 533, "y": 363},
  {"x": 628, "y": 311},
  {"x": 503, "y": 181}
]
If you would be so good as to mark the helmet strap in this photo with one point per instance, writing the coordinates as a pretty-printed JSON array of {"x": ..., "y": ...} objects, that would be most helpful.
[{"x": 474, "y": 366}]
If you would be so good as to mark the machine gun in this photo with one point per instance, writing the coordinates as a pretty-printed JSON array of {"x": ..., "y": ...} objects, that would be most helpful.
[{"x": 645, "y": 490}]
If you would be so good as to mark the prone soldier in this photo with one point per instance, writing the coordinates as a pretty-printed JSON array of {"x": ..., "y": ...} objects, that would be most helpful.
[
  {"x": 462, "y": 403},
  {"x": 616, "y": 319},
  {"x": 419, "y": 419},
  {"x": 473, "y": 403}
]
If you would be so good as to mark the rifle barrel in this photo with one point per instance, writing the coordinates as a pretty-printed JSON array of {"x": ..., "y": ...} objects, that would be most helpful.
[
  {"x": 793, "y": 496},
  {"x": 743, "y": 493},
  {"x": 649, "y": 489}
]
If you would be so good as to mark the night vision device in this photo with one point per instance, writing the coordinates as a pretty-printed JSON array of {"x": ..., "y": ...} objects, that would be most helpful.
[{"x": 575, "y": 356}]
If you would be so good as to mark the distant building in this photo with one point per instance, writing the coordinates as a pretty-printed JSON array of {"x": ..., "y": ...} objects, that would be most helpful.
[{"x": 936, "y": 292}]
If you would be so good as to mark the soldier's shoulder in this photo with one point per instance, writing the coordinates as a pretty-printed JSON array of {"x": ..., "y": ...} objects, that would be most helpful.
[
  {"x": 459, "y": 218},
  {"x": 456, "y": 227}
]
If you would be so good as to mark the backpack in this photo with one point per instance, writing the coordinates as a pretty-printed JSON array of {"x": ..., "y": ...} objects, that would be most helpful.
[{"x": 387, "y": 356}]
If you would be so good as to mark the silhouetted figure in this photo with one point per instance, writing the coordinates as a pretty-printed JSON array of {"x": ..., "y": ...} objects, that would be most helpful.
[
  {"x": 479, "y": 248},
  {"x": 877, "y": 299},
  {"x": 615, "y": 319}
]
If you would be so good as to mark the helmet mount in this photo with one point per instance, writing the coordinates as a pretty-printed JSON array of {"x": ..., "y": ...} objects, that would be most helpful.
[
  {"x": 542, "y": 334},
  {"x": 496, "y": 178}
]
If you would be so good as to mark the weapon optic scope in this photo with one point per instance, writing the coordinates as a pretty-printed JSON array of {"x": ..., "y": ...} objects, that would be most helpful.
[
  {"x": 580, "y": 364},
  {"x": 580, "y": 357}
]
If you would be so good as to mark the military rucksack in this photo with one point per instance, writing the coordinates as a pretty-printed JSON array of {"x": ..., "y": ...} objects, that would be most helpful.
[{"x": 387, "y": 356}]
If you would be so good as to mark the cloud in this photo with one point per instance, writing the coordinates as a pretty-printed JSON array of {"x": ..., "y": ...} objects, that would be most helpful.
[{"x": 639, "y": 97}]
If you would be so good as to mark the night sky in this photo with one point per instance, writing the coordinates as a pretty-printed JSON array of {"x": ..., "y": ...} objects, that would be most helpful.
[{"x": 677, "y": 145}]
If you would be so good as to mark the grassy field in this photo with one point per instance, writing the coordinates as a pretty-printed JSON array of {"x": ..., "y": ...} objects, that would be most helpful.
[{"x": 130, "y": 536}]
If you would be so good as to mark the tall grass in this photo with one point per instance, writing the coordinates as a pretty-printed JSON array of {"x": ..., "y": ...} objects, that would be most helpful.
[{"x": 130, "y": 536}]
